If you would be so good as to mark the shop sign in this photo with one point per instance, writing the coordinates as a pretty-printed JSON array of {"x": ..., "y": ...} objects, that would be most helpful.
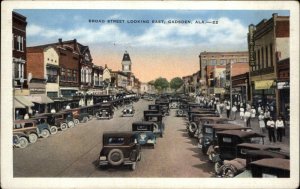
[
  {"x": 265, "y": 84},
  {"x": 251, "y": 46},
  {"x": 219, "y": 90},
  {"x": 283, "y": 85}
]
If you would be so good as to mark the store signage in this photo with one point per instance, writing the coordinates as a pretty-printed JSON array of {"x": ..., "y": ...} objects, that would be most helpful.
[
  {"x": 251, "y": 45},
  {"x": 265, "y": 84},
  {"x": 283, "y": 85}
]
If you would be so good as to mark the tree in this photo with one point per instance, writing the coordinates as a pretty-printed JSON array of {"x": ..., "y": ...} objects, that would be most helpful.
[
  {"x": 176, "y": 83},
  {"x": 161, "y": 84}
]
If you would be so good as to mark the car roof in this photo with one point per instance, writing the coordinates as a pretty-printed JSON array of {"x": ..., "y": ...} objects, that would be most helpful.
[
  {"x": 117, "y": 134},
  {"x": 240, "y": 133},
  {"x": 267, "y": 154},
  {"x": 225, "y": 126},
  {"x": 259, "y": 146},
  {"x": 142, "y": 123},
  {"x": 278, "y": 163},
  {"x": 24, "y": 121}
]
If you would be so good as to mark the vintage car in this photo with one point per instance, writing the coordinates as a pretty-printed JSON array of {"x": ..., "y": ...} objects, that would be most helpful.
[
  {"x": 144, "y": 131},
  {"x": 150, "y": 112},
  {"x": 227, "y": 146},
  {"x": 58, "y": 120},
  {"x": 128, "y": 111},
  {"x": 154, "y": 107},
  {"x": 50, "y": 120},
  {"x": 65, "y": 117},
  {"x": 43, "y": 127},
  {"x": 20, "y": 140},
  {"x": 182, "y": 110},
  {"x": 201, "y": 111},
  {"x": 270, "y": 168},
  {"x": 105, "y": 111},
  {"x": 208, "y": 135},
  {"x": 79, "y": 115},
  {"x": 164, "y": 106},
  {"x": 192, "y": 105},
  {"x": 30, "y": 128},
  {"x": 156, "y": 119},
  {"x": 119, "y": 148},
  {"x": 174, "y": 102},
  {"x": 195, "y": 125},
  {"x": 240, "y": 168}
]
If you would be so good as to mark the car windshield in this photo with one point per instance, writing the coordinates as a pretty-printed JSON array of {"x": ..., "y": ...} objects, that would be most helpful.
[
  {"x": 256, "y": 140},
  {"x": 153, "y": 118},
  {"x": 227, "y": 140}
]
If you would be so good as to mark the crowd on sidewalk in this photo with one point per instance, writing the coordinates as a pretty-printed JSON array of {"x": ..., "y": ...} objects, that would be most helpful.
[{"x": 263, "y": 116}]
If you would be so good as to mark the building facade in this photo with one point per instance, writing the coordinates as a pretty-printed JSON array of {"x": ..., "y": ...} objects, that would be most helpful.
[
  {"x": 268, "y": 44},
  {"x": 126, "y": 63}
]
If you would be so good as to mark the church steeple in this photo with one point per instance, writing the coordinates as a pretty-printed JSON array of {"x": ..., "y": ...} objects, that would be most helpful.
[{"x": 126, "y": 63}]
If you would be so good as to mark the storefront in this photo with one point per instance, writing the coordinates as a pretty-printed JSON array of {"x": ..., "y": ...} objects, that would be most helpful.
[
  {"x": 22, "y": 106},
  {"x": 284, "y": 96}
]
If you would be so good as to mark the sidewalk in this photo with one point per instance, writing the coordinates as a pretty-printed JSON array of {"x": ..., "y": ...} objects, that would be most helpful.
[{"x": 284, "y": 145}]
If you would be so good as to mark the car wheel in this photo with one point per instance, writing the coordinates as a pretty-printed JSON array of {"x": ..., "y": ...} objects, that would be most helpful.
[
  {"x": 85, "y": 119},
  {"x": 45, "y": 133},
  {"x": 33, "y": 137},
  {"x": 192, "y": 127},
  {"x": 63, "y": 126},
  {"x": 217, "y": 168},
  {"x": 228, "y": 171},
  {"x": 76, "y": 121},
  {"x": 115, "y": 157},
  {"x": 90, "y": 117},
  {"x": 23, "y": 142},
  {"x": 71, "y": 124},
  {"x": 53, "y": 130},
  {"x": 133, "y": 166}
]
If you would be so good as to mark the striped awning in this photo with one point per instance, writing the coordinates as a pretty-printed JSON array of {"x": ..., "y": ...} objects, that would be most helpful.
[
  {"x": 39, "y": 98},
  {"x": 18, "y": 104},
  {"x": 24, "y": 101}
]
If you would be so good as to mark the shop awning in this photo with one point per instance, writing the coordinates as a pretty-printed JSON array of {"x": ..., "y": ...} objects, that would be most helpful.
[
  {"x": 24, "y": 101},
  {"x": 40, "y": 98},
  {"x": 264, "y": 84},
  {"x": 17, "y": 104}
]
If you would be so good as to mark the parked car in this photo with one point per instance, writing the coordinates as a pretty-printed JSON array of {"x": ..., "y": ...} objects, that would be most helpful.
[
  {"x": 144, "y": 132},
  {"x": 208, "y": 136},
  {"x": 150, "y": 112},
  {"x": 195, "y": 126},
  {"x": 271, "y": 168},
  {"x": 50, "y": 120},
  {"x": 65, "y": 117},
  {"x": 105, "y": 111},
  {"x": 156, "y": 119},
  {"x": 228, "y": 140},
  {"x": 174, "y": 102},
  {"x": 233, "y": 169},
  {"x": 44, "y": 129},
  {"x": 79, "y": 115},
  {"x": 200, "y": 111},
  {"x": 58, "y": 120},
  {"x": 128, "y": 111},
  {"x": 164, "y": 106},
  {"x": 119, "y": 148},
  {"x": 182, "y": 110}
]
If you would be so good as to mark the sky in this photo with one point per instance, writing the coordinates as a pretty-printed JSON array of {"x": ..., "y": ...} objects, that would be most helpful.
[{"x": 156, "y": 49}]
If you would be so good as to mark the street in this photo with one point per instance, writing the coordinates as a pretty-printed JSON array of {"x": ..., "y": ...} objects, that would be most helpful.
[{"x": 73, "y": 153}]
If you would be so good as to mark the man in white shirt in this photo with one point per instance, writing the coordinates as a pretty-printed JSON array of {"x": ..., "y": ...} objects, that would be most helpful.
[
  {"x": 279, "y": 128},
  {"x": 271, "y": 130}
]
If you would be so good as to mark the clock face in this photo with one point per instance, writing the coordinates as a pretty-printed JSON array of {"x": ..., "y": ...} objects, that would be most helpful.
[{"x": 126, "y": 67}]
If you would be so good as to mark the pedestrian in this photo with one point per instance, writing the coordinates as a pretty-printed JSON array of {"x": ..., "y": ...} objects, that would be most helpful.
[
  {"x": 242, "y": 113},
  {"x": 218, "y": 108},
  {"x": 271, "y": 130},
  {"x": 68, "y": 107},
  {"x": 234, "y": 109},
  {"x": 279, "y": 128},
  {"x": 26, "y": 116},
  {"x": 261, "y": 121},
  {"x": 222, "y": 107},
  {"x": 247, "y": 117},
  {"x": 228, "y": 109},
  {"x": 53, "y": 111},
  {"x": 267, "y": 115},
  {"x": 259, "y": 109},
  {"x": 253, "y": 112}
]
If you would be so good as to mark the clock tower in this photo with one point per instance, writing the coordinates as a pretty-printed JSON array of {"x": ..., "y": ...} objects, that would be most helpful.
[{"x": 126, "y": 63}]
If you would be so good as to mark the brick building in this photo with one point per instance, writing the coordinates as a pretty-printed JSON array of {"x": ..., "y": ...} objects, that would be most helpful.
[{"x": 268, "y": 44}]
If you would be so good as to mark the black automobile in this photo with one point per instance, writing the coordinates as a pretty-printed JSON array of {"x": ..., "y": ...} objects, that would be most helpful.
[
  {"x": 182, "y": 110},
  {"x": 128, "y": 111},
  {"x": 105, "y": 111},
  {"x": 144, "y": 131},
  {"x": 156, "y": 119},
  {"x": 119, "y": 149}
]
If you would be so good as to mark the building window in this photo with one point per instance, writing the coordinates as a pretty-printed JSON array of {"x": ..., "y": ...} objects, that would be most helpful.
[
  {"x": 271, "y": 55},
  {"x": 19, "y": 70},
  {"x": 52, "y": 94},
  {"x": 20, "y": 43},
  {"x": 267, "y": 58},
  {"x": 213, "y": 62},
  {"x": 69, "y": 75},
  {"x": 75, "y": 75},
  {"x": 63, "y": 74},
  {"x": 52, "y": 75},
  {"x": 223, "y": 61},
  {"x": 258, "y": 60}
]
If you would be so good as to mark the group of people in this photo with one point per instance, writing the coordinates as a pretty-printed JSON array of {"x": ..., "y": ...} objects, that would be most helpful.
[{"x": 247, "y": 113}]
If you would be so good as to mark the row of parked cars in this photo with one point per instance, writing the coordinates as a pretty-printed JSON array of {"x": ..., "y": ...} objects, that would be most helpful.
[
  {"x": 124, "y": 148},
  {"x": 43, "y": 125},
  {"x": 235, "y": 151}
]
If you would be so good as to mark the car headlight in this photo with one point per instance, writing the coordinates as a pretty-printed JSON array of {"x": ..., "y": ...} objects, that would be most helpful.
[{"x": 102, "y": 158}]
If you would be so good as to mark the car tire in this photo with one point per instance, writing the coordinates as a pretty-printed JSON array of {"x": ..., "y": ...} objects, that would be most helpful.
[
  {"x": 90, "y": 117},
  {"x": 63, "y": 126},
  {"x": 23, "y": 142},
  {"x": 133, "y": 166},
  {"x": 32, "y": 137},
  {"x": 45, "y": 133},
  {"x": 53, "y": 130},
  {"x": 228, "y": 171},
  {"x": 71, "y": 124},
  {"x": 180, "y": 112},
  {"x": 76, "y": 121},
  {"x": 115, "y": 157},
  {"x": 192, "y": 127},
  {"x": 85, "y": 119}
]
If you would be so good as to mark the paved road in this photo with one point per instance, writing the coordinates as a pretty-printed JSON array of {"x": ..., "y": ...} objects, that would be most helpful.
[{"x": 73, "y": 153}]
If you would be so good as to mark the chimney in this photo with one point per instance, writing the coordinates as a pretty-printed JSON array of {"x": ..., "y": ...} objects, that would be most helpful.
[
  {"x": 60, "y": 42},
  {"x": 105, "y": 65}
]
